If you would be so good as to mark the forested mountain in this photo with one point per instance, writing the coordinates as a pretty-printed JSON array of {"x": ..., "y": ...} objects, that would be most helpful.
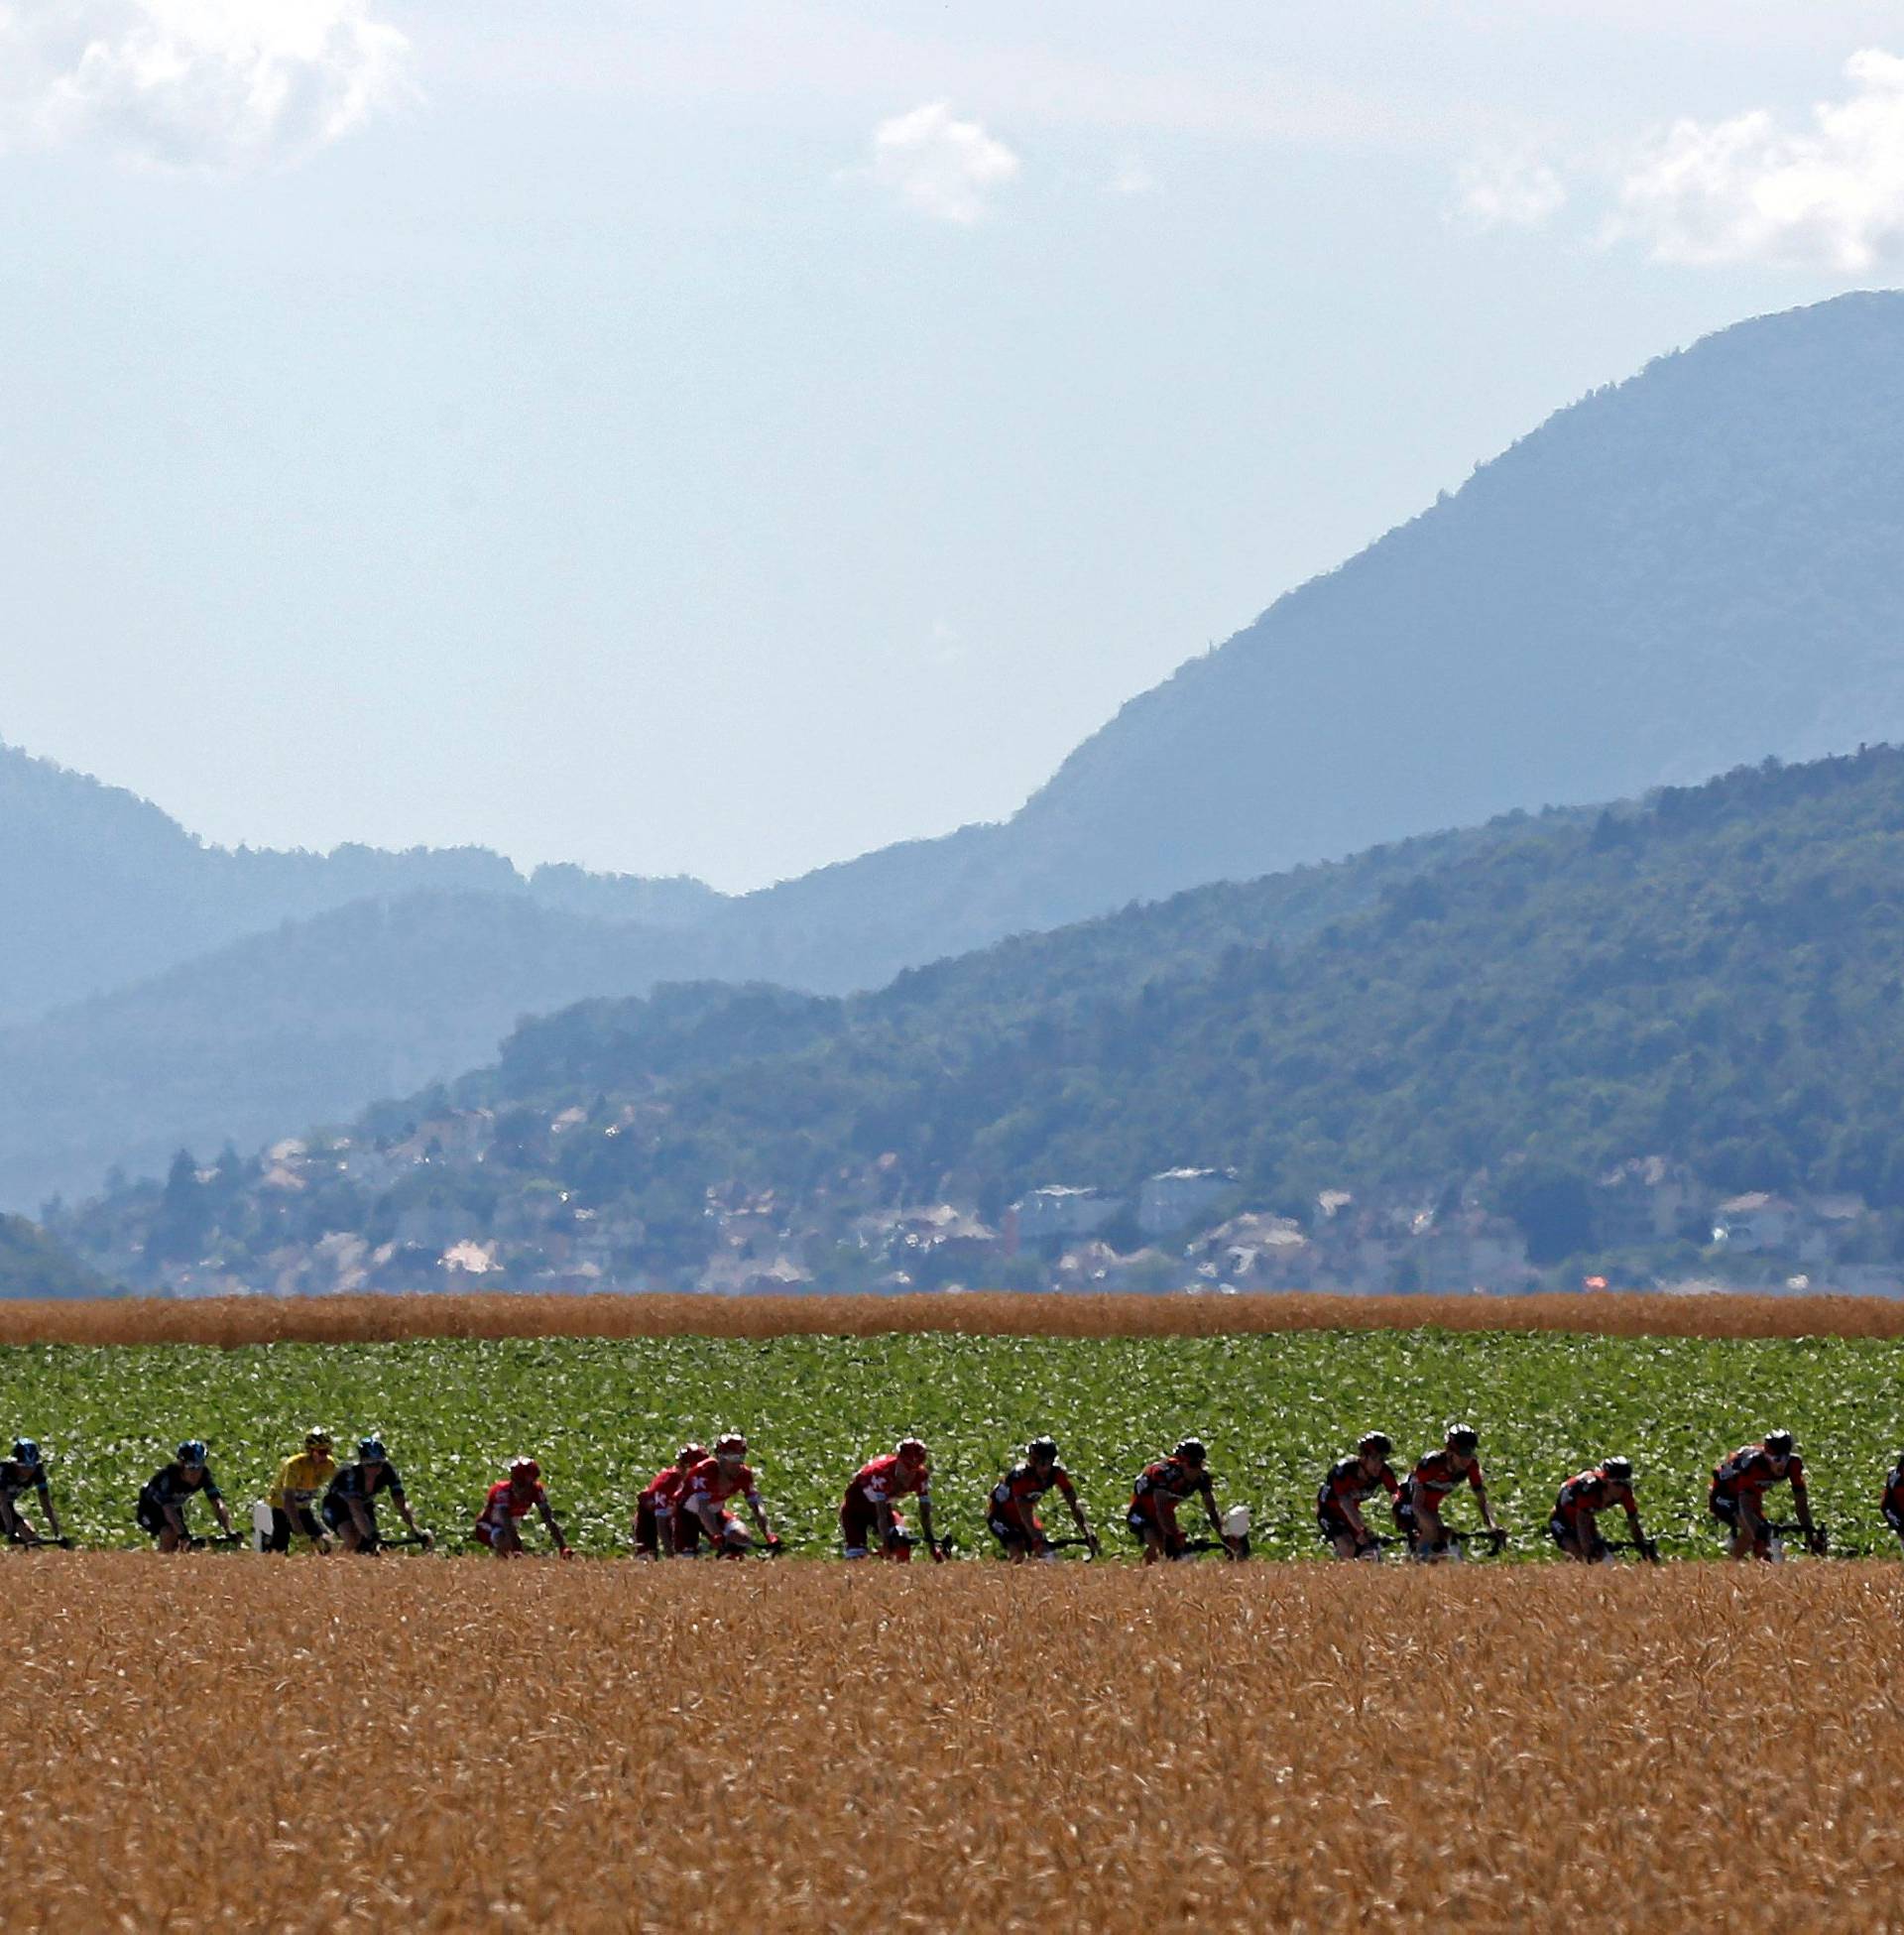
[
  {"x": 1675, "y": 576},
  {"x": 1713, "y": 976},
  {"x": 102, "y": 888},
  {"x": 1710, "y": 977},
  {"x": 1689, "y": 571},
  {"x": 33, "y": 1264}
]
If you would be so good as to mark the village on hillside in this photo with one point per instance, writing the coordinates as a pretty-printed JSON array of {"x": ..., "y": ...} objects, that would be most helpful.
[{"x": 467, "y": 1199}]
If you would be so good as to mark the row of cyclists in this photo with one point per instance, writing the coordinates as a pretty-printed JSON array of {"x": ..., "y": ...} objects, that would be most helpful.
[{"x": 688, "y": 1507}]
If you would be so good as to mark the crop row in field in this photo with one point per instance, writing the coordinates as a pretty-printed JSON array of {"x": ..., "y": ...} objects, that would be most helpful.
[
  {"x": 231, "y": 1322},
  {"x": 598, "y": 1747},
  {"x": 1275, "y": 1409}
]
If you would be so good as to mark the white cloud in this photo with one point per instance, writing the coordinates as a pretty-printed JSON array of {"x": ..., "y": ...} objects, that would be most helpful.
[
  {"x": 1132, "y": 177},
  {"x": 1508, "y": 192},
  {"x": 1745, "y": 190},
  {"x": 221, "y": 84},
  {"x": 940, "y": 166}
]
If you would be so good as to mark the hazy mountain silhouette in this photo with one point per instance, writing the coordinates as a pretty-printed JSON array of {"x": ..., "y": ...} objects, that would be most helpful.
[
  {"x": 1678, "y": 574},
  {"x": 101, "y": 887}
]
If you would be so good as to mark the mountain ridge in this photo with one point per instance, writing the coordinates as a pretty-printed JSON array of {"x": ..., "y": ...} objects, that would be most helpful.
[{"x": 1674, "y": 575}]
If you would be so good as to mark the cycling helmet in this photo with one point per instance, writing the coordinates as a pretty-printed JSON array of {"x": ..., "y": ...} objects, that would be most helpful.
[
  {"x": 1375, "y": 1442},
  {"x": 370, "y": 1451},
  {"x": 690, "y": 1454},
  {"x": 316, "y": 1439},
  {"x": 1191, "y": 1451},
  {"x": 1619, "y": 1470},
  {"x": 730, "y": 1444},
  {"x": 525, "y": 1468},
  {"x": 1042, "y": 1451},
  {"x": 192, "y": 1452},
  {"x": 912, "y": 1451},
  {"x": 1463, "y": 1437},
  {"x": 25, "y": 1452},
  {"x": 1779, "y": 1443}
]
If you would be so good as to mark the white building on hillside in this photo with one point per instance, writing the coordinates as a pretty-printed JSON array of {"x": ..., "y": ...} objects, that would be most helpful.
[{"x": 1176, "y": 1198}]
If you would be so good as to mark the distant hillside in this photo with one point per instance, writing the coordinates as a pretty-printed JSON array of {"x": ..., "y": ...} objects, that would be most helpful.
[
  {"x": 294, "y": 1026},
  {"x": 33, "y": 1264},
  {"x": 1711, "y": 978},
  {"x": 1675, "y": 575},
  {"x": 102, "y": 888},
  {"x": 1687, "y": 571}
]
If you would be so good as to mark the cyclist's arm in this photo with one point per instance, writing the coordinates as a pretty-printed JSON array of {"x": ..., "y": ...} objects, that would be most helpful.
[{"x": 759, "y": 1511}]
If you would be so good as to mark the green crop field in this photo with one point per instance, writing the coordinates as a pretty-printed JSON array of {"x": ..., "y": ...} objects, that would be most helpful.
[{"x": 1275, "y": 1409}]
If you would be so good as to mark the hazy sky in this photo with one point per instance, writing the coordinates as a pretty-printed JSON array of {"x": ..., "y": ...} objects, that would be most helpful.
[{"x": 721, "y": 438}]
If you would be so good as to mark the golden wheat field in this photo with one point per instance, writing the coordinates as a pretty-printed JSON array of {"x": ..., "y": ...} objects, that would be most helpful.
[
  {"x": 313, "y": 1744},
  {"x": 234, "y": 1321}
]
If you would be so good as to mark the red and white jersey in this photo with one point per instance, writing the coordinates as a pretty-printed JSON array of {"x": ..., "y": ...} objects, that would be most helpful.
[
  {"x": 505, "y": 1504},
  {"x": 882, "y": 1480},
  {"x": 664, "y": 1493},
  {"x": 709, "y": 1484}
]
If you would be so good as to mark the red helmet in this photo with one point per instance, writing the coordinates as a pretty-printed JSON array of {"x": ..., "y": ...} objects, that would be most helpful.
[
  {"x": 526, "y": 1469},
  {"x": 730, "y": 1444},
  {"x": 911, "y": 1451},
  {"x": 690, "y": 1454}
]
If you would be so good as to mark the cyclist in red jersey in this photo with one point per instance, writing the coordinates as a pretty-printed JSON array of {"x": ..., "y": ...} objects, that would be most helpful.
[
  {"x": 1426, "y": 1489},
  {"x": 1737, "y": 1497},
  {"x": 1574, "y": 1526},
  {"x": 1348, "y": 1482},
  {"x": 661, "y": 1532},
  {"x": 706, "y": 1488},
  {"x": 509, "y": 1503},
  {"x": 1014, "y": 1521},
  {"x": 1159, "y": 1489},
  {"x": 867, "y": 1509},
  {"x": 1892, "y": 1504}
]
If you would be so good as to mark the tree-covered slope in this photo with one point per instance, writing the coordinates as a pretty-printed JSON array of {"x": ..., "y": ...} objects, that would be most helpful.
[
  {"x": 1711, "y": 976},
  {"x": 33, "y": 1264}
]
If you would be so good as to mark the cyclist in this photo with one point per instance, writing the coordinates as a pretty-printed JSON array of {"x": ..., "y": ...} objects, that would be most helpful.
[
  {"x": 350, "y": 1500},
  {"x": 1338, "y": 1499},
  {"x": 1737, "y": 1497},
  {"x": 1014, "y": 1521},
  {"x": 706, "y": 1488},
  {"x": 302, "y": 1481},
  {"x": 1425, "y": 1490},
  {"x": 1159, "y": 1489},
  {"x": 869, "y": 1505},
  {"x": 660, "y": 1531},
  {"x": 1574, "y": 1526},
  {"x": 1893, "y": 1501},
  {"x": 26, "y": 1471},
  {"x": 165, "y": 1494},
  {"x": 510, "y": 1501}
]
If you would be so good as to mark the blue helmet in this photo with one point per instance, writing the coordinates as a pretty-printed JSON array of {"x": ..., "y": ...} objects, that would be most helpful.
[
  {"x": 25, "y": 1452},
  {"x": 192, "y": 1452}
]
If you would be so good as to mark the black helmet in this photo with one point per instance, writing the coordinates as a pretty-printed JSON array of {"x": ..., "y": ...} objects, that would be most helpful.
[
  {"x": 1042, "y": 1451},
  {"x": 316, "y": 1437},
  {"x": 1619, "y": 1470},
  {"x": 1778, "y": 1443},
  {"x": 1464, "y": 1437},
  {"x": 370, "y": 1451},
  {"x": 192, "y": 1452},
  {"x": 1191, "y": 1451},
  {"x": 1376, "y": 1442},
  {"x": 25, "y": 1452}
]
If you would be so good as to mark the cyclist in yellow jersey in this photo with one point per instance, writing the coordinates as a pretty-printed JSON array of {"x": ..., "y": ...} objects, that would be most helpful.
[{"x": 302, "y": 1480}]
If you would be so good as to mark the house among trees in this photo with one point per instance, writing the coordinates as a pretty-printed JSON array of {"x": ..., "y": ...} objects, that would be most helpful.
[{"x": 1177, "y": 1198}]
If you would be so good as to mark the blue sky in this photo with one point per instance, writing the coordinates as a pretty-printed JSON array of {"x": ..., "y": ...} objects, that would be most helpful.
[{"x": 724, "y": 439}]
